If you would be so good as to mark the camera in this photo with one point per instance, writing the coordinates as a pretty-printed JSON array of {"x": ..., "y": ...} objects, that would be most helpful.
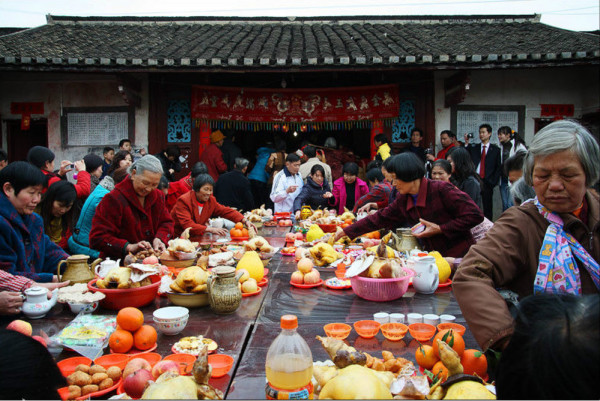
[
  {"x": 470, "y": 135},
  {"x": 429, "y": 151}
]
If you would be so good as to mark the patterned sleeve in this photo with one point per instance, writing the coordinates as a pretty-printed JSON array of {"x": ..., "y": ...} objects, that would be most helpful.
[{"x": 8, "y": 282}]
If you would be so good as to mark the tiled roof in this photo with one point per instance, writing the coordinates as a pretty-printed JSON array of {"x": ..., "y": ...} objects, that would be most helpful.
[{"x": 202, "y": 43}]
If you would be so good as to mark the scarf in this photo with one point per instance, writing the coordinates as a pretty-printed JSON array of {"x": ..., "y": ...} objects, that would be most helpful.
[{"x": 557, "y": 269}]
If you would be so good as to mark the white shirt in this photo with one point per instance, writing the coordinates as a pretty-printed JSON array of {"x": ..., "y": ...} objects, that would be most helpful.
[{"x": 284, "y": 201}]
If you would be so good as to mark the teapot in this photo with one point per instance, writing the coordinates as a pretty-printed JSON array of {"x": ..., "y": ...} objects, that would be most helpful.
[
  {"x": 36, "y": 303},
  {"x": 104, "y": 267},
  {"x": 77, "y": 271},
  {"x": 224, "y": 295},
  {"x": 305, "y": 212},
  {"x": 427, "y": 275},
  {"x": 407, "y": 240}
]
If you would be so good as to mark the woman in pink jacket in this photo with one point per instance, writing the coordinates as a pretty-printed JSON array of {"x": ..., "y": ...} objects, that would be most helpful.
[{"x": 348, "y": 188}]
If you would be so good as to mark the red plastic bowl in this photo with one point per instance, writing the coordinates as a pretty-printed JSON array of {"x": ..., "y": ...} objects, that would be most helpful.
[
  {"x": 367, "y": 328},
  {"x": 108, "y": 360},
  {"x": 421, "y": 331},
  {"x": 67, "y": 366},
  {"x": 328, "y": 228},
  {"x": 381, "y": 289},
  {"x": 337, "y": 330},
  {"x": 221, "y": 364},
  {"x": 394, "y": 331},
  {"x": 136, "y": 297},
  {"x": 185, "y": 361},
  {"x": 458, "y": 328}
]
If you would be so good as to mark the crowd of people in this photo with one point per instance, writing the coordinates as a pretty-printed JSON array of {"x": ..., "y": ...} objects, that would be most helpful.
[{"x": 125, "y": 202}]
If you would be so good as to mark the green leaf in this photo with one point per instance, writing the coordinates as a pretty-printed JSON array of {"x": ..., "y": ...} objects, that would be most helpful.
[
  {"x": 445, "y": 336},
  {"x": 422, "y": 350},
  {"x": 478, "y": 354}
]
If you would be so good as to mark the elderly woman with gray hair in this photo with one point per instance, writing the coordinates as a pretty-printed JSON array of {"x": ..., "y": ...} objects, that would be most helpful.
[
  {"x": 550, "y": 244},
  {"x": 133, "y": 216}
]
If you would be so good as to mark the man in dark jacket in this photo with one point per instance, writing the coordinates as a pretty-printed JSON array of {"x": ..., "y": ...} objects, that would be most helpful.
[
  {"x": 169, "y": 159},
  {"x": 233, "y": 187},
  {"x": 486, "y": 158}
]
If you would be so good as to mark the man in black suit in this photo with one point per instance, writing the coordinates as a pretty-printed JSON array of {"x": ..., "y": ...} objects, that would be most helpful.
[{"x": 489, "y": 167}]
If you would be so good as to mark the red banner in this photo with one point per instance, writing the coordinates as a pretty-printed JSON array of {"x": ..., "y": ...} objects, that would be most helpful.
[
  {"x": 27, "y": 108},
  {"x": 295, "y": 105},
  {"x": 566, "y": 110}
]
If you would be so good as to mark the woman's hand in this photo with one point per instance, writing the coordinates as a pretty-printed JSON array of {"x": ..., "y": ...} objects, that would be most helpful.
[
  {"x": 140, "y": 246},
  {"x": 365, "y": 208},
  {"x": 431, "y": 229},
  {"x": 297, "y": 214},
  {"x": 217, "y": 231},
  {"x": 79, "y": 165},
  {"x": 158, "y": 245},
  {"x": 327, "y": 195},
  {"x": 65, "y": 167},
  {"x": 10, "y": 303},
  {"x": 338, "y": 234},
  {"x": 53, "y": 285}
]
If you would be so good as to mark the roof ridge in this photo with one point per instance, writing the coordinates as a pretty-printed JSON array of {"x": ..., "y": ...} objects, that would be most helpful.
[{"x": 66, "y": 19}]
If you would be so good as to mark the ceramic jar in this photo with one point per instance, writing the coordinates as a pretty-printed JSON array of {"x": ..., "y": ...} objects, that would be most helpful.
[
  {"x": 37, "y": 304},
  {"x": 408, "y": 241},
  {"x": 224, "y": 295},
  {"x": 77, "y": 271},
  {"x": 426, "y": 279}
]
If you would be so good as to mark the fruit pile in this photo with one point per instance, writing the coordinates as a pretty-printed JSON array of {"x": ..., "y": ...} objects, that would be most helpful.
[
  {"x": 89, "y": 379},
  {"x": 428, "y": 357},
  {"x": 246, "y": 283},
  {"x": 139, "y": 372},
  {"x": 238, "y": 231},
  {"x": 306, "y": 273},
  {"x": 132, "y": 332}
]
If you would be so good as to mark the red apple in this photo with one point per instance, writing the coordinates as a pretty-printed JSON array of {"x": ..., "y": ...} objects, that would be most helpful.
[
  {"x": 164, "y": 366},
  {"x": 312, "y": 278},
  {"x": 298, "y": 277},
  {"x": 41, "y": 340},
  {"x": 299, "y": 236},
  {"x": 136, "y": 364},
  {"x": 150, "y": 260},
  {"x": 290, "y": 237},
  {"x": 135, "y": 384},
  {"x": 21, "y": 326}
]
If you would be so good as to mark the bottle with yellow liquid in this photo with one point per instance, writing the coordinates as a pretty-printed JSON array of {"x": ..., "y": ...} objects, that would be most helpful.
[{"x": 289, "y": 364}]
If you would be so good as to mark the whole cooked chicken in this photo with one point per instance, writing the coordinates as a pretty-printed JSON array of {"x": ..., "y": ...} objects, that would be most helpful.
[
  {"x": 117, "y": 277},
  {"x": 183, "y": 244},
  {"x": 190, "y": 280}
]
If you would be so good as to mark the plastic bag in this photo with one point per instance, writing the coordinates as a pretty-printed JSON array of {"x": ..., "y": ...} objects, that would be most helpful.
[{"x": 88, "y": 334}]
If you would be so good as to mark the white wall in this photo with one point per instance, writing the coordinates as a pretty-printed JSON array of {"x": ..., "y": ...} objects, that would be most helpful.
[
  {"x": 57, "y": 91},
  {"x": 529, "y": 87}
]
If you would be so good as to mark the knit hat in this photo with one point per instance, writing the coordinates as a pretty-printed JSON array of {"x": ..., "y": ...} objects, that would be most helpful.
[
  {"x": 39, "y": 155},
  {"x": 216, "y": 136},
  {"x": 92, "y": 162}
]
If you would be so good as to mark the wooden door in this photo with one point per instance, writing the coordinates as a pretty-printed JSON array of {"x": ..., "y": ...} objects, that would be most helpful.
[{"x": 19, "y": 142}]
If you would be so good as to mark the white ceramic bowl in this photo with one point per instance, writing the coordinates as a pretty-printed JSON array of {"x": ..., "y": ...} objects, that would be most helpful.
[
  {"x": 172, "y": 328},
  {"x": 170, "y": 314},
  {"x": 87, "y": 307}
]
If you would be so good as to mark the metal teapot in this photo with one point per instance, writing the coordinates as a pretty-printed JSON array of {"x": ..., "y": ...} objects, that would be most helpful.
[
  {"x": 408, "y": 241},
  {"x": 77, "y": 271},
  {"x": 224, "y": 295}
]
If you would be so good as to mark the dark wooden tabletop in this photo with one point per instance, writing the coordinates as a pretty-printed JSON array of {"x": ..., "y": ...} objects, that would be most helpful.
[{"x": 247, "y": 334}]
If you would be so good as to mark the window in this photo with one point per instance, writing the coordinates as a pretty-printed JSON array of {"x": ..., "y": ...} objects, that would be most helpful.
[
  {"x": 467, "y": 119},
  {"x": 97, "y": 126}
]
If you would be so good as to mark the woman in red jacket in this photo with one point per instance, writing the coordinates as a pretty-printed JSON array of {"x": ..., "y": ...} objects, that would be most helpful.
[
  {"x": 133, "y": 216},
  {"x": 197, "y": 206}
]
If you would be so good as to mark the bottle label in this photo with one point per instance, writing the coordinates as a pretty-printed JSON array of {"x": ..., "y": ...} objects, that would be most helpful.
[{"x": 304, "y": 393}]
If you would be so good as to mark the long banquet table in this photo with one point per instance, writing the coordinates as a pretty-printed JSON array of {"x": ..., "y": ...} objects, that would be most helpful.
[{"x": 247, "y": 333}]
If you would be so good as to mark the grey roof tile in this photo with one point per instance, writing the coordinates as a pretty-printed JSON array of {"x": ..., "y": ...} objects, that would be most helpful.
[{"x": 242, "y": 43}]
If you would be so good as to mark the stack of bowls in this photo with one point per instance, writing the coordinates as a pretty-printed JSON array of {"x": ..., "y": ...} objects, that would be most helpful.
[{"x": 171, "y": 320}]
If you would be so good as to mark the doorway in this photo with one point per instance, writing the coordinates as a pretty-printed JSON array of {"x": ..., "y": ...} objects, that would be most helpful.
[{"x": 19, "y": 142}]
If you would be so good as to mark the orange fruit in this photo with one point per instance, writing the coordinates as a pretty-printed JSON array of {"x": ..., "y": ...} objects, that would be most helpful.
[
  {"x": 244, "y": 232},
  {"x": 239, "y": 225},
  {"x": 120, "y": 341},
  {"x": 452, "y": 338},
  {"x": 441, "y": 369},
  {"x": 145, "y": 337},
  {"x": 474, "y": 362},
  {"x": 130, "y": 319},
  {"x": 235, "y": 232},
  {"x": 425, "y": 356}
]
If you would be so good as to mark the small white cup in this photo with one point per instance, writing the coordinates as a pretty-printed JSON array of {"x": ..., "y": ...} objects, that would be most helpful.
[
  {"x": 432, "y": 319},
  {"x": 414, "y": 318},
  {"x": 381, "y": 317},
  {"x": 447, "y": 318},
  {"x": 397, "y": 317}
]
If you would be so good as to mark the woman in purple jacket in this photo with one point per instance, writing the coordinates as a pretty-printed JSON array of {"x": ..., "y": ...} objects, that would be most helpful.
[
  {"x": 447, "y": 213},
  {"x": 348, "y": 188}
]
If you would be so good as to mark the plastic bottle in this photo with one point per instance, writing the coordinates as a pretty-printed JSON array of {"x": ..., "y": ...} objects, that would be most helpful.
[{"x": 289, "y": 364}]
